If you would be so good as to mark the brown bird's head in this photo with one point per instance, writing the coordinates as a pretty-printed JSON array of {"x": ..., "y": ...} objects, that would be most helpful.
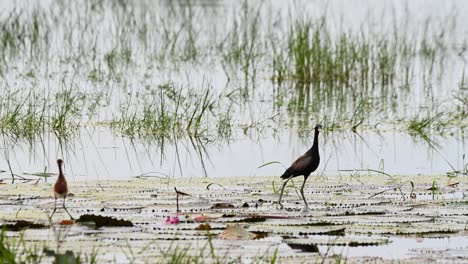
[
  {"x": 59, "y": 162},
  {"x": 318, "y": 127}
]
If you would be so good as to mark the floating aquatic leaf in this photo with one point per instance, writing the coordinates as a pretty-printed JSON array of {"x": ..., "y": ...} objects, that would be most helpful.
[
  {"x": 222, "y": 206},
  {"x": 204, "y": 227},
  {"x": 254, "y": 219},
  {"x": 453, "y": 185},
  {"x": 363, "y": 244},
  {"x": 101, "y": 221},
  {"x": 246, "y": 219},
  {"x": 339, "y": 241},
  {"x": 332, "y": 221},
  {"x": 260, "y": 235},
  {"x": 311, "y": 248},
  {"x": 236, "y": 232},
  {"x": 21, "y": 224},
  {"x": 204, "y": 218},
  {"x": 67, "y": 222},
  {"x": 209, "y": 185}
]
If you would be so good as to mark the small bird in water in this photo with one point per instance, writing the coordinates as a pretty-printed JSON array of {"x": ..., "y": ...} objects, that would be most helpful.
[
  {"x": 304, "y": 165},
  {"x": 60, "y": 189}
]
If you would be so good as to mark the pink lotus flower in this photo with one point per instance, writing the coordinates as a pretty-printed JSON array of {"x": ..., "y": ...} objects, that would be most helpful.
[{"x": 172, "y": 220}]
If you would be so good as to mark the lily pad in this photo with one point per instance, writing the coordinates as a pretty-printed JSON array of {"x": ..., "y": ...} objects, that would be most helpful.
[
  {"x": 222, "y": 206},
  {"x": 204, "y": 227},
  {"x": 311, "y": 248},
  {"x": 21, "y": 224},
  {"x": 236, "y": 232},
  {"x": 245, "y": 231},
  {"x": 101, "y": 221}
]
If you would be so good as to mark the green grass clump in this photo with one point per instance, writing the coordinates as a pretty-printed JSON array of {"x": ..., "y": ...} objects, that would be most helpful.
[
  {"x": 75, "y": 57},
  {"x": 18, "y": 250},
  {"x": 165, "y": 114},
  {"x": 419, "y": 126},
  {"x": 68, "y": 108},
  {"x": 29, "y": 116},
  {"x": 337, "y": 63},
  {"x": 15, "y": 250},
  {"x": 22, "y": 116}
]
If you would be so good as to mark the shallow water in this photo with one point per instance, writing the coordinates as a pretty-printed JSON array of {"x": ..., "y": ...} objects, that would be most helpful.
[
  {"x": 99, "y": 153},
  {"x": 104, "y": 156},
  {"x": 405, "y": 248}
]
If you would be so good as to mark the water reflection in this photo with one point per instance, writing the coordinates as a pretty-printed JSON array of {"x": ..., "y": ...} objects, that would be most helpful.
[
  {"x": 100, "y": 155},
  {"x": 267, "y": 66}
]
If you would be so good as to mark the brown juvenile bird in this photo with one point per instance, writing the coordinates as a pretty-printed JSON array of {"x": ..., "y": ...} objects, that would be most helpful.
[
  {"x": 60, "y": 189},
  {"x": 304, "y": 165}
]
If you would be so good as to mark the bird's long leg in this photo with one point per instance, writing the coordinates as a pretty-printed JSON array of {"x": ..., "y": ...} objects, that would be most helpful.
[
  {"x": 282, "y": 190},
  {"x": 65, "y": 208},
  {"x": 306, "y": 205},
  {"x": 55, "y": 208}
]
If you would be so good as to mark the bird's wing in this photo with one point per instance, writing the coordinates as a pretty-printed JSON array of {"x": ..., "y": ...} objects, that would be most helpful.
[
  {"x": 302, "y": 162},
  {"x": 299, "y": 165}
]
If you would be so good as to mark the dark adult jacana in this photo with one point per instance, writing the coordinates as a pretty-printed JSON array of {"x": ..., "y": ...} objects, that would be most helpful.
[
  {"x": 60, "y": 189},
  {"x": 304, "y": 165}
]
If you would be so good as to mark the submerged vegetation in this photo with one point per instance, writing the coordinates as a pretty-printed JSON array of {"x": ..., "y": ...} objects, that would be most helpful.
[
  {"x": 166, "y": 113},
  {"x": 180, "y": 75},
  {"x": 134, "y": 69}
]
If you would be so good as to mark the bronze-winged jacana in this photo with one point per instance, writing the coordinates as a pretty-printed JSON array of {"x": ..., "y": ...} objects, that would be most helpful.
[
  {"x": 60, "y": 189},
  {"x": 304, "y": 165}
]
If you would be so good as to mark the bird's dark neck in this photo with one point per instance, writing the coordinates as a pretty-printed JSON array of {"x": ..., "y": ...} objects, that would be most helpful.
[
  {"x": 314, "y": 148},
  {"x": 60, "y": 171}
]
